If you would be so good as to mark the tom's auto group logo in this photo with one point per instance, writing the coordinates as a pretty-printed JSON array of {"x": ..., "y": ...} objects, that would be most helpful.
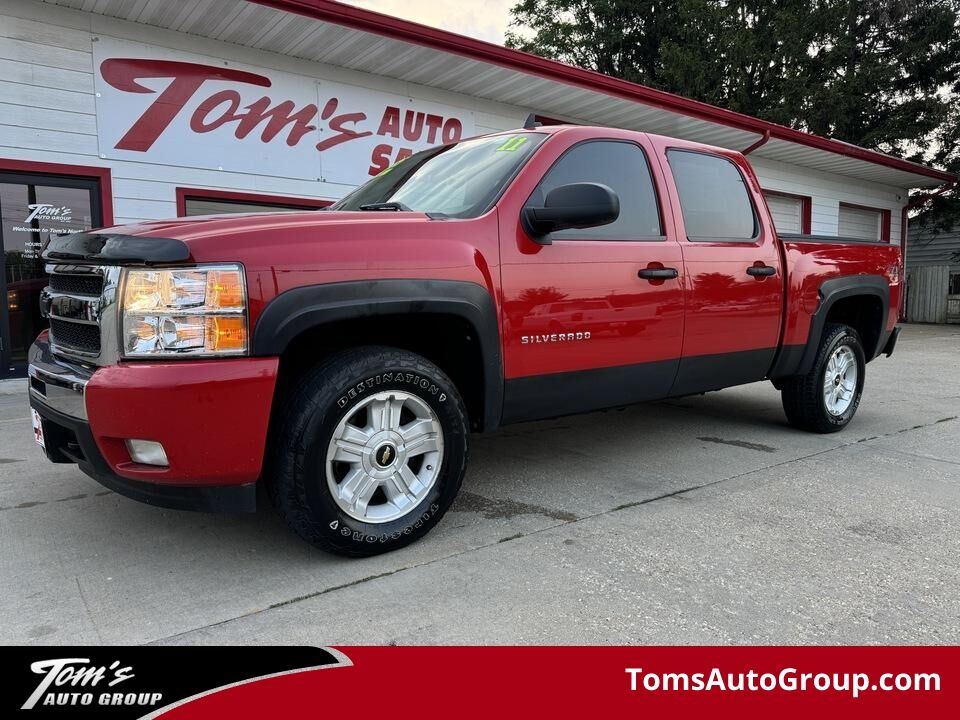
[
  {"x": 122, "y": 683},
  {"x": 76, "y": 681}
]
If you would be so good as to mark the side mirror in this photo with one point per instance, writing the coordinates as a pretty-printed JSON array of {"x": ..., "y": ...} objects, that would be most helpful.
[{"x": 577, "y": 205}]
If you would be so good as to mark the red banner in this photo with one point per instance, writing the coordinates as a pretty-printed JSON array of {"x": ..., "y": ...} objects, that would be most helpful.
[{"x": 562, "y": 682}]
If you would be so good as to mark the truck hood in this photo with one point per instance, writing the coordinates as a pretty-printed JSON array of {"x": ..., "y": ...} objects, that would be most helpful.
[
  {"x": 217, "y": 237},
  {"x": 193, "y": 229}
]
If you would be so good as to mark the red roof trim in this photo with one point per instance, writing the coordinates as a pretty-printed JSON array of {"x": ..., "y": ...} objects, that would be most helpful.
[{"x": 388, "y": 26}]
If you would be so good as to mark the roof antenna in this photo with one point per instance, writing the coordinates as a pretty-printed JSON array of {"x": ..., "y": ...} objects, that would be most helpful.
[{"x": 531, "y": 122}]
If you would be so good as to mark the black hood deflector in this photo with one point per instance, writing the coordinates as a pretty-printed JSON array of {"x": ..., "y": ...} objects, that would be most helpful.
[{"x": 111, "y": 249}]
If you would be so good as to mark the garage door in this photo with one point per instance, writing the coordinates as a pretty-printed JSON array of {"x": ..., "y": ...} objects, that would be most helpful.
[
  {"x": 857, "y": 222},
  {"x": 787, "y": 212}
]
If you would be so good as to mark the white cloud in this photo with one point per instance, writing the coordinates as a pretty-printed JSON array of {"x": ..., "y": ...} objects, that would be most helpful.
[{"x": 486, "y": 20}]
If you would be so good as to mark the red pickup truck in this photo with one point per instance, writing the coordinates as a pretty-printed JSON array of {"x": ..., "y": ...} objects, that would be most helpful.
[{"x": 343, "y": 356}]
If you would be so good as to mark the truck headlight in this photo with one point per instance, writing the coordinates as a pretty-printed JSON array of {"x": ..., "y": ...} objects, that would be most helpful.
[{"x": 200, "y": 310}]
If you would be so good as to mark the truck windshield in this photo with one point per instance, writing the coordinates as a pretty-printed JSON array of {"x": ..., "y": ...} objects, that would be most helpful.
[{"x": 460, "y": 180}]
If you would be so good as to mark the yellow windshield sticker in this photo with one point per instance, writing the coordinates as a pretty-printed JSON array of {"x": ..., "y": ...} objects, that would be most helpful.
[
  {"x": 390, "y": 167},
  {"x": 512, "y": 144}
]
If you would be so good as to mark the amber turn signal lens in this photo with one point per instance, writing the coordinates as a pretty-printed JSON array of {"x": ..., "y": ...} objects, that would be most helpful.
[
  {"x": 184, "y": 311},
  {"x": 226, "y": 333},
  {"x": 224, "y": 289}
]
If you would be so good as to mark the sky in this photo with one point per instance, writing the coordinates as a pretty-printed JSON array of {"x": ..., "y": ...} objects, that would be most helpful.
[{"x": 482, "y": 19}]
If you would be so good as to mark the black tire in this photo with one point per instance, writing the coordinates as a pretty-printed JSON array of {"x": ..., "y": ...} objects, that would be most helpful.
[
  {"x": 311, "y": 412},
  {"x": 803, "y": 396}
]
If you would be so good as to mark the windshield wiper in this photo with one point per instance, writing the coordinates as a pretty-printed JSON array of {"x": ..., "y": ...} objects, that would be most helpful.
[{"x": 394, "y": 206}]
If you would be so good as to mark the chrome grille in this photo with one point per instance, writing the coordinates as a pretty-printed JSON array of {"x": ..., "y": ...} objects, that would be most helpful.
[
  {"x": 75, "y": 336},
  {"x": 91, "y": 285},
  {"x": 74, "y": 302}
]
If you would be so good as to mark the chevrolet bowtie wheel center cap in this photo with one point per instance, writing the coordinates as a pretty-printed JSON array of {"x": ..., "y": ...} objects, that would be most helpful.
[{"x": 385, "y": 455}]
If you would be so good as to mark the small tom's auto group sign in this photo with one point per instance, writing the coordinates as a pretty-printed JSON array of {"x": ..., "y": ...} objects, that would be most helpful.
[{"x": 193, "y": 111}]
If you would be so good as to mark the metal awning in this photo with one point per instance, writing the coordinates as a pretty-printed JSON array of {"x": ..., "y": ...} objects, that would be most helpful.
[{"x": 349, "y": 37}]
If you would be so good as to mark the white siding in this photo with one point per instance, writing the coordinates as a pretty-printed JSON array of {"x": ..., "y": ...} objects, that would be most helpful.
[
  {"x": 787, "y": 213},
  {"x": 827, "y": 191}
]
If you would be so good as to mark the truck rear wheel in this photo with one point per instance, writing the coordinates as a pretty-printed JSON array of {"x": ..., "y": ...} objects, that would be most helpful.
[
  {"x": 370, "y": 451},
  {"x": 826, "y": 398}
]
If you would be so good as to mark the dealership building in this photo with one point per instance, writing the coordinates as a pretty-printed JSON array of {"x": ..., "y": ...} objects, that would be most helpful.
[{"x": 117, "y": 111}]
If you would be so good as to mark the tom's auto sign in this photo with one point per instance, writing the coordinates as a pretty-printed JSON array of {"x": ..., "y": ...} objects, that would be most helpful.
[{"x": 194, "y": 111}]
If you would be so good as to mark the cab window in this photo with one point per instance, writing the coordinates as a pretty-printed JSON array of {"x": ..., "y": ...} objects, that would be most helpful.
[
  {"x": 621, "y": 166},
  {"x": 713, "y": 197}
]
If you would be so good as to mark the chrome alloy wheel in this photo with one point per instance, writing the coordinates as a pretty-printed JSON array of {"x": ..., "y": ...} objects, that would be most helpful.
[
  {"x": 840, "y": 380},
  {"x": 384, "y": 456}
]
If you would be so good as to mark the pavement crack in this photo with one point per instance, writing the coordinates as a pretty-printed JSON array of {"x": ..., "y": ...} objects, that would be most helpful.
[
  {"x": 298, "y": 599},
  {"x": 920, "y": 456},
  {"x": 739, "y": 443},
  {"x": 901, "y": 431},
  {"x": 23, "y": 505},
  {"x": 334, "y": 588},
  {"x": 86, "y": 606}
]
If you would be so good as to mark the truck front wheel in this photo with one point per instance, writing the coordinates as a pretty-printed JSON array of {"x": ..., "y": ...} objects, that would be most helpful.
[
  {"x": 826, "y": 398},
  {"x": 370, "y": 451}
]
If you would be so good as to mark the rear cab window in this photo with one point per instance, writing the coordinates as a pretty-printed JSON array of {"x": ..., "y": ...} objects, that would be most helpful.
[{"x": 714, "y": 198}]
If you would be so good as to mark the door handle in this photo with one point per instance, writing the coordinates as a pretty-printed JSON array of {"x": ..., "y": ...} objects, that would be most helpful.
[
  {"x": 658, "y": 273},
  {"x": 761, "y": 271}
]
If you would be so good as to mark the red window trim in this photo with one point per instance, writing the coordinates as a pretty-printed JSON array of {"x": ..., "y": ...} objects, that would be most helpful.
[
  {"x": 885, "y": 217},
  {"x": 244, "y": 197},
  {"x": 101, "y": 174},
  {"x": 806, "y": 208}
]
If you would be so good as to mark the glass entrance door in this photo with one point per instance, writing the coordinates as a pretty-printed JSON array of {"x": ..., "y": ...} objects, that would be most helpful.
[{"x": 32, "y": 208}]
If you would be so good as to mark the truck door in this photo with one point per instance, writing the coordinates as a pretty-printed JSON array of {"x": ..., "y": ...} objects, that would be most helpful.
[
  {"x": 733, "y": 273},
  {"x": 594, "y": 318}
]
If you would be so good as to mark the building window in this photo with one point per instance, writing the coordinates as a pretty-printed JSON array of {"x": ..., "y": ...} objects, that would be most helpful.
[
  {"x": 38, "y": 201},
  {"x": 864, "y": 223},
  {"x": 791, "y": 213},
  {"x": 200, "y": 201},
  {"x": 954, "y": 287}
]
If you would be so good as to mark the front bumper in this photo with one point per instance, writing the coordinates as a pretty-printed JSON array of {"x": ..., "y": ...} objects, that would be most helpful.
[
  {"x": 211, "y": 416},
  {"x": 70, "y": 440}
]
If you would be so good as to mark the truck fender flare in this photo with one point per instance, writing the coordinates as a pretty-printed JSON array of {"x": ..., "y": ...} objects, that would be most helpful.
[
  {"x": 300, "y": 309},
  {"x": 798, "y": 360}
]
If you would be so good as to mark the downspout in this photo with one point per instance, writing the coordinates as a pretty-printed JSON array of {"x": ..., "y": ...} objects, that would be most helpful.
[
  {"x": 903, "y": 239},
  {"x": 758, "y": 143}
]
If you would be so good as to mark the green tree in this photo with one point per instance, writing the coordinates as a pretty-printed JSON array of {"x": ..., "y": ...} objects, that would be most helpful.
[{"x": 880, "y": 74}]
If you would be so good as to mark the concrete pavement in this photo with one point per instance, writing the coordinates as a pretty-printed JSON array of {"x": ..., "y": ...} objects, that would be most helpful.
[{"x": 700, "y": 520}]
